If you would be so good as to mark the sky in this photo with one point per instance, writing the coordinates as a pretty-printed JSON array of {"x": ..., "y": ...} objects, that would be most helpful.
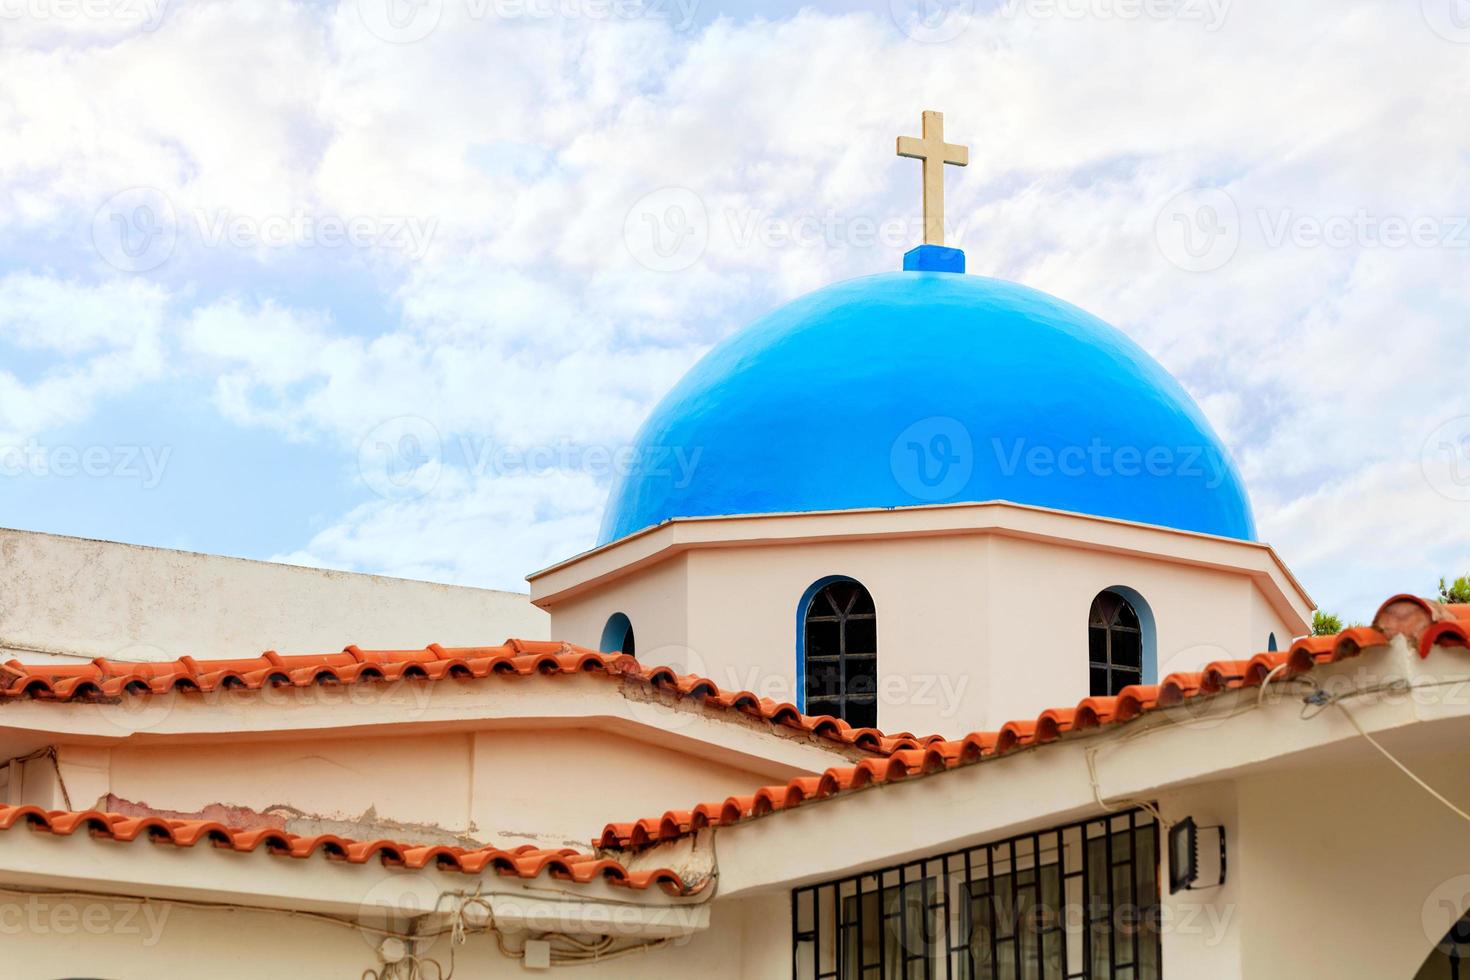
[{"x": 380, "y": 285}]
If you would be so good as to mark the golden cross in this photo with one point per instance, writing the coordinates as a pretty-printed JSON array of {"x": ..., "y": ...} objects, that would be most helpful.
[{"x": 935, "y": 153}]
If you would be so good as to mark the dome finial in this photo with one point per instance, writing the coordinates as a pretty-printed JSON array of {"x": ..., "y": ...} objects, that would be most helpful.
[{"x": 935, "y": 153}]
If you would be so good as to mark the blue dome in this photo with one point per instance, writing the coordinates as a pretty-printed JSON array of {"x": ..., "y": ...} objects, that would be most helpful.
[{"x": 925, "y": 388}]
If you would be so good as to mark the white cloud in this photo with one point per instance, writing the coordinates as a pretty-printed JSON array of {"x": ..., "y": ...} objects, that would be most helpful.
[
  {"x": 470, "y": 530},
  {"x": 86, "y": 342},
  {"x": 530, "y": 319}
]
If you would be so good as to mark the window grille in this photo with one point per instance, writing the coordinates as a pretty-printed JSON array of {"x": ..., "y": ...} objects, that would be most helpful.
[
  {"x": 1114, "y": 645},
  {"x": 840, "y": 654},
  {"x": 1078, "y": 902}
]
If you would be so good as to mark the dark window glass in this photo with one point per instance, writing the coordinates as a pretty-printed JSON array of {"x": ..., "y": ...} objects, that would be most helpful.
[
  {"x": 891, "y": 935},
  {"x": 1114, "y": 645},
  {"x": 840, "y": 646},
  {"x": 862, "y": 635},
  {"x": 1128, "y": 650},
  {"x": 860, "y": 713},
  {"x": 823, "y": 638},
  {"x": 617, "y": 635},
  {"x": 823, "y": 681},
  {"x": 1078, "y": 902},
  {"x": 1011, "y": 918},
  {"x": 858, "y": 677}
]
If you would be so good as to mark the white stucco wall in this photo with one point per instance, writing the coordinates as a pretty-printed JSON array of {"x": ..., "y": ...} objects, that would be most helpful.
[
  {"x": 656, "y": 601},
  {"x": 1351, "y": 871},
  {"x": 1339, "y": 866},
  {"x": 63, "y": 598},
  {"x": 47, "y": 938},
  {"x": 1333, "y": 872},
  {"x": 974, "y": 628},
  {"x": 554, "y": 787}
]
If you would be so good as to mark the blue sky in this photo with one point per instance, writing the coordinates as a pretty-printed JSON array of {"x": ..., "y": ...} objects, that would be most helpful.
[{"x": 440, "y": 237}]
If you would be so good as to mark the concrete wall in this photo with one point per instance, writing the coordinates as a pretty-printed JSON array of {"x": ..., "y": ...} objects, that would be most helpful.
[
  {"x": 551, "y": 787},
  {"x": 1334, "y": 871},
  {"x": 973, "y": 630},
  {"x": 1038, "y": 603},
  {"x": 63, "y": 597},
  {"x": 1339, "y": 866},
  {"x": 656, "y": 601},
  {"x": 1353, "y": 871},
  {"x": 48, "y": 937}
]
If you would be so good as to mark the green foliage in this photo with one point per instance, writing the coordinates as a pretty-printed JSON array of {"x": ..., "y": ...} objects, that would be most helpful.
[
  {"x": 1325, "y": 623},
  {"x": 1456, "y": 591}
]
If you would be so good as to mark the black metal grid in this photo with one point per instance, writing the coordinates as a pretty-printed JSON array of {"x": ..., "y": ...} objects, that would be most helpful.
[
  {"x": 840, "y": 645},
  {"x": 1114, "y": 644},
  {"x": 1077, "y": 902}
]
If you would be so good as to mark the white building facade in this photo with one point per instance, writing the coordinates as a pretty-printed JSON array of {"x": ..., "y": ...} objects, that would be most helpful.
[{"x": 950, "y": 653}]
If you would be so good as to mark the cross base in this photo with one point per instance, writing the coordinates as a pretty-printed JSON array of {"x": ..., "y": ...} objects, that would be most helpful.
[{"x": 934, "y": 258}]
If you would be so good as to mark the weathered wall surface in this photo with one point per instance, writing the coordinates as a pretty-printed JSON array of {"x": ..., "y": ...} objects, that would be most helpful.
[
  {"x": 553, "y": 787},
  {"x": 70, "y": 597},
  {"x": 47, "y": 938}
]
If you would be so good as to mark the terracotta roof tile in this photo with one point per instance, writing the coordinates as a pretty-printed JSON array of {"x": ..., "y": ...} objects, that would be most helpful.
[
  {"x": 526, "y": 862},
  {"x": 1426, "y": 623},
  {"x": 106, "y": 679}
]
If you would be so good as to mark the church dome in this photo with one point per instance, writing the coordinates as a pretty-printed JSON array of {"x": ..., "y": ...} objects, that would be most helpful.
[{"x": 914, "y": 388}]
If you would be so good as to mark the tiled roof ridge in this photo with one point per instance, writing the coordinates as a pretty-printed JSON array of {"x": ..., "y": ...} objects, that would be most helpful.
[
  {"x": 1424, "y": 622},
  {"x": 526, "y": 861},
  {"x": 103, "y": 679}
]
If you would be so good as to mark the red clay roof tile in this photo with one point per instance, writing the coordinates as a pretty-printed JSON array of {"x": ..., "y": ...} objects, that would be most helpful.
[
  {"x": 106, "y": 679},
  {"x": 522, "y": 862},
  {"x": 1435, "y": 625},
  {"x": 1423, "y": 622}
]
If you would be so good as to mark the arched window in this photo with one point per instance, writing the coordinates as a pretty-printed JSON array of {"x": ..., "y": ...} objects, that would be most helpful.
[
  {"x": 1271, "y": 643},
  {"x": 1114, "y": 644},
  {"x": 839, "y": 631},
  {"x": 617, "y": 635}
]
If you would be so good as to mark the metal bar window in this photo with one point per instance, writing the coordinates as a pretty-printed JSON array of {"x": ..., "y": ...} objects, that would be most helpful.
[
  {"x": 1077, "y": 902},
  {"x": 1114, "y": 644},
  {"x": 840, "y": 650}
]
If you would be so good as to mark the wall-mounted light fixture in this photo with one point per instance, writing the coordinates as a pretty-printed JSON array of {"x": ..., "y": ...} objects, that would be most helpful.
[{"x": 1188, "y": 868}]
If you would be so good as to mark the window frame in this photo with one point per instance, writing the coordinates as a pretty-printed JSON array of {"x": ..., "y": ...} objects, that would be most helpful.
[
  {"x": 618, "y": 635},
  {"x": 1092, "y": 940},
  {"x": 828, "y": 704},
  {"x": 1113, "y": 629}
]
